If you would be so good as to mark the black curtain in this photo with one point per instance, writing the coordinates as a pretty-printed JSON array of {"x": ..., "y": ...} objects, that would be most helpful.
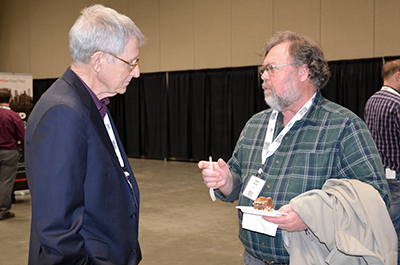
[
  {"x": 140, "y": 116},
  {"x": 190, "y": 115},
  {"x": 40, "y": 86},
  {"x": 187, "y": 115},
  {"x": 352, "y": 82}
]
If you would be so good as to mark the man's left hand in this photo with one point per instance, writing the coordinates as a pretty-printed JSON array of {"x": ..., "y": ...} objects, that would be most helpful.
[{"x": 290, "y": 222}]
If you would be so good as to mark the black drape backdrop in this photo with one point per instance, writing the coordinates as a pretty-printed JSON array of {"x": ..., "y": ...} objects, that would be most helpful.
[
  {"x": 190, "y": 115},
  {"x": 353, "y": 82}
]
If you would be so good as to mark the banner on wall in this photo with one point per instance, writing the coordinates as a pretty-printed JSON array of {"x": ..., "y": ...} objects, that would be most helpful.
[{"x": 22, "y": 103}]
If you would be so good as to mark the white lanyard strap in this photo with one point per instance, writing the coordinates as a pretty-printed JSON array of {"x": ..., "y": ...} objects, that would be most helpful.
[
  {"x": 110, "y": 131},
  {"x": 392, "y": 90},
  {"x": 271, "y": 146}
]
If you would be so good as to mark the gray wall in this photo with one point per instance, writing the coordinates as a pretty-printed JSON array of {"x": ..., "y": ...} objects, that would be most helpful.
[{"x": 197, "y": 34}]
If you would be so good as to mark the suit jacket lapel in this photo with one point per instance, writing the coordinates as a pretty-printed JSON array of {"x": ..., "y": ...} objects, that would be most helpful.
[{"x": 95, "y": 116}]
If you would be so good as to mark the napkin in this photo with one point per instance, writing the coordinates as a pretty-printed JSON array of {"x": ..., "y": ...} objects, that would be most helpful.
[{"x": 257, "y": 224}]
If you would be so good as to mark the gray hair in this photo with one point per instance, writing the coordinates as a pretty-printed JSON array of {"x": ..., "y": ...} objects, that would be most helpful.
[
  {"x": 303, "y": 50},
  {"x": 100, "y": 28}
]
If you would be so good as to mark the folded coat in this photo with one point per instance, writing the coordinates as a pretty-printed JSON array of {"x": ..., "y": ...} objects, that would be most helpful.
[{"x": 348, "y": 224}]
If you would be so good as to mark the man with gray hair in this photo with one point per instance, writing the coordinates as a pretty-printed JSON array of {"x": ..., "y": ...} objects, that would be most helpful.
[{"x": 85, "y": 199}]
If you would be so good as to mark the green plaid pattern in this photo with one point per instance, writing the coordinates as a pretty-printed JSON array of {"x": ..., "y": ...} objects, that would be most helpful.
[{"x": 329, "y": 142}]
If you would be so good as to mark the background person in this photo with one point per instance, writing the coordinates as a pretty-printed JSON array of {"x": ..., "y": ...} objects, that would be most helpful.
[
  {"x": 12, "y": 130},
  {"x": 382, "y": 116},
  {"x": 85, "y": 199},
  {"x": 309, "y": 141}
]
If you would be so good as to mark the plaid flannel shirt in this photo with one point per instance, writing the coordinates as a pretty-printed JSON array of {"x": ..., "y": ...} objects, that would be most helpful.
[{"x": 329, "y": 142}]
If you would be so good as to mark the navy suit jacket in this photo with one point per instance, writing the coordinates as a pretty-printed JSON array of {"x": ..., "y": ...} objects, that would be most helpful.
[{"x": 83, "y": 210}]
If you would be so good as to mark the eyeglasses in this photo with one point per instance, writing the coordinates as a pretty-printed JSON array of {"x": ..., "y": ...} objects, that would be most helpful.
[
  {"x": 270, "y": 68},
  {"x": 131, "y": 65}
]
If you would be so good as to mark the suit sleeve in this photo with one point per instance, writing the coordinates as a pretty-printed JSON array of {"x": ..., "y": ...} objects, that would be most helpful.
[{"x": 57, "y": 159}]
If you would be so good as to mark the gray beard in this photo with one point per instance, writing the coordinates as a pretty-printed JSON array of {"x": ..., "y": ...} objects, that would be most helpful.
[
  {"x": 275, "y": 102},
  {"x": 280, "y": 103}
]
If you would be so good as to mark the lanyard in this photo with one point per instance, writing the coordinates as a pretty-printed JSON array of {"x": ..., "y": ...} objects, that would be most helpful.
[
  {"x": 389, "y": 89},
  {"x": 271, "y": 146},
  {"x": 110, "y": 132}
]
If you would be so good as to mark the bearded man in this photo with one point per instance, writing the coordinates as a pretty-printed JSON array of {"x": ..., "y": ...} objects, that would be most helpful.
[{"x": 295, "y": 146}]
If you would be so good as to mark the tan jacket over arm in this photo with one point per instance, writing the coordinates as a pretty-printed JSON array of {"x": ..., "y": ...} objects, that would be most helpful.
[{"x": 348, "y": 224}]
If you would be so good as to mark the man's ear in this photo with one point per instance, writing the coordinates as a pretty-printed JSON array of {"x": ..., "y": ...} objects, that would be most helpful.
[
  {"x": 304, "y": 72},
  {"x": 397, "y": 76},
  {"x": 95, "y": 60}
]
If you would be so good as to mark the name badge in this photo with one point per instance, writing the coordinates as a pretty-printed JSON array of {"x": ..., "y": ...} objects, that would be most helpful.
[
  {"x": 253, "y": 188},
  {"x": 390, "y": 174}
]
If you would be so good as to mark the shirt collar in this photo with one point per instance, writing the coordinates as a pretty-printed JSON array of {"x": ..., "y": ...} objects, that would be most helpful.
[
  {"x": 390, "y": 89},
  {"x": 4, "y": 107},
  {"x": 100, "y": 104}
]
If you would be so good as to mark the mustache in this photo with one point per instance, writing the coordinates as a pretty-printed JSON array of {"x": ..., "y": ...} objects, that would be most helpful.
[{"x": 265, "y": 86}]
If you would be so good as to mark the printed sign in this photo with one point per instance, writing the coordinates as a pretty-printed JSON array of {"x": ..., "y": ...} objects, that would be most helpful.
[{"x": 21, "y": 86}]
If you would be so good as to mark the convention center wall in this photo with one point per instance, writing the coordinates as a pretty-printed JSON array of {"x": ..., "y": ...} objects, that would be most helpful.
[{"x": 199, "y": 34}]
